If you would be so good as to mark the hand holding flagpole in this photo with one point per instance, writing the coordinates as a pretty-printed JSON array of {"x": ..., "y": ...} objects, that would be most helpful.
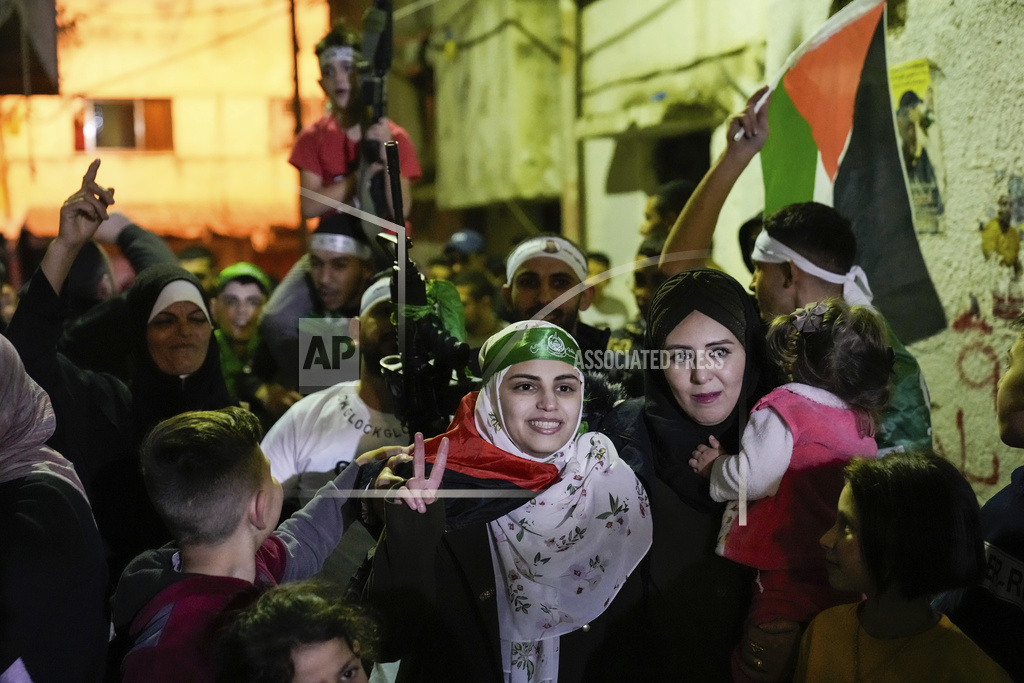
[{"x": 750, "y": 117}]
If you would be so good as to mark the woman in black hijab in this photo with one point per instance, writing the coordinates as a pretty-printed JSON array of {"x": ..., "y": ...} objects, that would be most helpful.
[
  {"x": 694, "y": 602},
  {"x": 100, "y": 419},
  {"x": 168, "y": 344}
]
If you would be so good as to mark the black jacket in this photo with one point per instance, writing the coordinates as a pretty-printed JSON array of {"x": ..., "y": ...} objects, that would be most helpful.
[
  {"x": 93, "y": 339},
  {"x": 591, "y": 338},
  {"x": 100, "y": 419},
  {"x": 53, "y": 577},
  {"x": 694, "y": 602},
  {"x": 436, "y": 593}
]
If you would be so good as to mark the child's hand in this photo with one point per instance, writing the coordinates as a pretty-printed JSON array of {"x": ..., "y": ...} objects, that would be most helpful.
[
  {"x": 392, "y": 455},
  {"x": 768, "y": 652},
  {"x": 387, "y": 479},
  {"x": 705, "y": 456}
]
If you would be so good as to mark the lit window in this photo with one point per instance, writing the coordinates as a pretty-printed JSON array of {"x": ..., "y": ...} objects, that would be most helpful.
[{"x": 124, "y": 124}]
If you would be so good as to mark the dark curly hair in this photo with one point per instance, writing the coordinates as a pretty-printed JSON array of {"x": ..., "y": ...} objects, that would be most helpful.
[
  {"x": 847, "y": 354},
  {"x": 256, "y": 645}
]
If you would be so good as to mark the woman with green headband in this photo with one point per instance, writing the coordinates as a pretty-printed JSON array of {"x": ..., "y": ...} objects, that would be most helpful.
[{"x": 510, "y": 578}]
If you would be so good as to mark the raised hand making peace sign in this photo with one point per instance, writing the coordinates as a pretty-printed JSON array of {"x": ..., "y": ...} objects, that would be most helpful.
[{"x": 419, "y": 492}]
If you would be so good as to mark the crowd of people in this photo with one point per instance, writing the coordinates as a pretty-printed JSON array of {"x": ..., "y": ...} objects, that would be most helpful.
[{"x": 746, "y": 492}]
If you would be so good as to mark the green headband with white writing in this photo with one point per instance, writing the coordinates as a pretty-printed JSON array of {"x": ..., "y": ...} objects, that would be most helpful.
[{"x": 526, "y": 341}]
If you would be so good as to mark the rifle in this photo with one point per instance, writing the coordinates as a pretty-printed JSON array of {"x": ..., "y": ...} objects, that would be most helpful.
[
  {"x": 373, "y": 69},
  {"x": 430, "y": 374}
]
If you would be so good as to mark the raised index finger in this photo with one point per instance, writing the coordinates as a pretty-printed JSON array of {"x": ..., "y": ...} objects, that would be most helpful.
[{"x": 90, "y": 174}]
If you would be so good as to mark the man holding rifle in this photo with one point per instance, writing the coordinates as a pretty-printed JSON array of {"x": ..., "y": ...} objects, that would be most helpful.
[{"x": 327, "y": 152}]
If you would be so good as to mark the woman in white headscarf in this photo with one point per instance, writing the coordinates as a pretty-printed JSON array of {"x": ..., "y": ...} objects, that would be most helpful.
[
  {"x": 52, "y": 568},
  {"x": 510, "y": 579},
  {"x": 101, "y": 420}
]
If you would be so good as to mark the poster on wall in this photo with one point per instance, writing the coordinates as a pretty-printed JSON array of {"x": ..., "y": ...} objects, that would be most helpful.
[
  {"x": 920, "y": 149},
  {"x": 1000, "y": 245}
]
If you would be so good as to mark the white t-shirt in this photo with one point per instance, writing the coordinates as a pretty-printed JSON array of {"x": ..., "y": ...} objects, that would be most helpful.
[{"x": 323, "y": 430}]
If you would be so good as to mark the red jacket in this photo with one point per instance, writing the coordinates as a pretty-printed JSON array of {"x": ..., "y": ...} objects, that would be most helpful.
[
  {"x": 783, "y": 530},
  {"x": 175, "y": 634}
]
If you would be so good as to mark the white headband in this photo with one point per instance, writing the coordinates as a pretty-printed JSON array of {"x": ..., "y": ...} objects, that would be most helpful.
[
  {"x": 550, "y": 247},
  {"x": 339, "y": 244},
  {"x": 175, "y": 291},
  {"x": 337, "y": 52},
  {"x": 856, "y": 290},
  {"x": 377, "y": 292}
]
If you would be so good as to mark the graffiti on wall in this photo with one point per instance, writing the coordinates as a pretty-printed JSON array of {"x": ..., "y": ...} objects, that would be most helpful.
[{"x": 978, "y": 368}]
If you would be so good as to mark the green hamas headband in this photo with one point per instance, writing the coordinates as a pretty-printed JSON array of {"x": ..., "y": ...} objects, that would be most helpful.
[{"x": 518, "y": 343}]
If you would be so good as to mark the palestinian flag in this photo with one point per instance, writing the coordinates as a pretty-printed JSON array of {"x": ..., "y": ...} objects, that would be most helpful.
[{"x": 833, "y": 140}]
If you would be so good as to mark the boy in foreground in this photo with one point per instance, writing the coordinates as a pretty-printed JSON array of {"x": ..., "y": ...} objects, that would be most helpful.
[{"x": 211, "y": 485}]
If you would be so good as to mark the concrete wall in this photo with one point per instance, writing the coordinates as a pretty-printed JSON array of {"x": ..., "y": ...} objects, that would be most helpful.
[
  {"x": 220, "y": 63},
  {"x": 497, "y": 101},
  {"x": 653, "y": 68},
  {"x": 976, "y": 51}
]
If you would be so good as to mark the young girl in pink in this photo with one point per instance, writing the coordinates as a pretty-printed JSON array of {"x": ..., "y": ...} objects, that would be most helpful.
[{"x": 784, "y": 483}]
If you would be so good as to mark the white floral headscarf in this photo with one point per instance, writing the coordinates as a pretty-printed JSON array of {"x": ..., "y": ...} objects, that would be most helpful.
[{"x": 563, "y": 556}]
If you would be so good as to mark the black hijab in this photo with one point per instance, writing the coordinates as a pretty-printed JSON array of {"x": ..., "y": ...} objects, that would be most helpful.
[
  {"x": 157, "y": 396},
  {"x": 674, "y": 433},
  {"x": 124, "y": 512}
]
